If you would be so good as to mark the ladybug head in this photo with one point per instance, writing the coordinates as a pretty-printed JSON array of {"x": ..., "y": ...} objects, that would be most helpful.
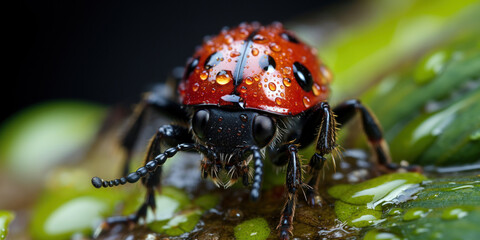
[{"x": 229, "y": 131}]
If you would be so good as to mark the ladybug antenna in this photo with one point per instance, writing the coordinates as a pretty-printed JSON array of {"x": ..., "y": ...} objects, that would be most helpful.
[
  {"x": 258, "y": 173},
  {"x": 150, "y": 166}
]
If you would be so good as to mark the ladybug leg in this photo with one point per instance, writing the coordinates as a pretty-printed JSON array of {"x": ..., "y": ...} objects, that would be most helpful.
[
  {"x": 153, "y": 100},
  {"x": 293, "y": 183},
  {"x": 372, "y": 129},
  {"x": 324, "y": 144}
]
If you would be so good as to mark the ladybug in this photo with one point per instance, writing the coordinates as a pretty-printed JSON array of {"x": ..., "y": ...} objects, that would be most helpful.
[{"x": 251, "y": 92}]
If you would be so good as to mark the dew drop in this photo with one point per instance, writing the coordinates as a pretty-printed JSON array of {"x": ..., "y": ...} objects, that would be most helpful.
[
  {"x": 275, "y": 47},
  {"x": 223, "y": 77},
  {"x": 326, "y": 74},
  {"x": 243, "y": 89},
  {"x": 255, "y": 51},
  {"x": 204, "y": 75},
  {"x": 256, "y": 78},
  {"x": 316, "y": 89},
  {"x": 249, "y": 80},
  {"x": 278, "y": 101},
  {"x": 228, "y": 39},
  {"x": 287, "y": 70},
  {"x": 287, "y": 82},
  {"x": 234, "y": 54},
  {"x": 272, "y": 86},
  {"x": 258, "y": 38},
  {"x": 306, "y": 101},
  {"x": 195, "y": 87}
]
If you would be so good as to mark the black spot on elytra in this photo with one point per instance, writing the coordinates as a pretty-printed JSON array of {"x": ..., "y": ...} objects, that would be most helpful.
[
  {"x": 303, "y": 76},
  {"x": 267, "y": 62},
  {"x": 289, "y": 37},
  {"x": 190, "y": 67},
  {"x": 213, "y": 60}
]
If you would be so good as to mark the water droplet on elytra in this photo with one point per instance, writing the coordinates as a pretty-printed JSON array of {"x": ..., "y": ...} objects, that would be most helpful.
[
  {"x": 287, "y": 82},
  {"x": 275, "y": 47},
  {"x": 204, "y": 75},
  {"x": 223, "y": 77},
  {"x": 272, "y": 86},
  {"x": 316, "y": 89},
  {"x": 259, "y": 38},
  {"x": 306, "y": 101},
  {"x": 287, "y": 70},
  {"x": 278, "y": 101},
  {"x": 234, "y": 54},
  {"x": 195, "y": 87},
  {"x": 243, "y": 89},
  {"x": 255, "y": 51},
  {"x": 249, "y": 80}
]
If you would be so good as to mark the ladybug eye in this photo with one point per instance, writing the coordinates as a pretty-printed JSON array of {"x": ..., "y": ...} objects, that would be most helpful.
[
  {"x": 266, "y": 62},
  {"x": 213, "y": 60},
  {"x": 199, "y": 122},
  {"x": 303, "y": 76},
  {"x": 263, "y": 130}
]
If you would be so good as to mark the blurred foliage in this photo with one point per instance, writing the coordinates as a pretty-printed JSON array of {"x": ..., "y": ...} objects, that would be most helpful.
[
  {"x": 378, "y": 36},
  {"x": 432, "y": 108},
  {"x": 42, "y": 136},
  {"x": 5, "y": 218}
]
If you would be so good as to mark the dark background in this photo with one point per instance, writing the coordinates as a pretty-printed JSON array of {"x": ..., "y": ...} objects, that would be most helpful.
[{"x": 109, "y": 52}]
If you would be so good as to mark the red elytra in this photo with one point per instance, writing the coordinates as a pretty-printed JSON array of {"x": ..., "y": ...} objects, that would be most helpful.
[{"x": 253, "y": 66}]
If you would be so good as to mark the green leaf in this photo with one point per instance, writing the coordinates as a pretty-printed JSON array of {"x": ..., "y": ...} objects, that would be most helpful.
[{"x": 5, "y": 218}]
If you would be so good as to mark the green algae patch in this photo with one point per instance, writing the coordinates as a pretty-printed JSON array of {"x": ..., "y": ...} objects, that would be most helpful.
[
  {"x": 253, "y": 229},
  {"x": 178, "y": 213},
  {"x": 5, "y": 218},
  {"x": 178, "y": 225},
  {"x": 361, "y": 205}
]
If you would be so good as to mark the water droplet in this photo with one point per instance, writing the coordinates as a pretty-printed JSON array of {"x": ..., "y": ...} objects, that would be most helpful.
[
  {"x": 316, "y": 89},
  {"x": 415, "y": 213},
  {"x": 287, "y": 70},
  {"x": 256, "y": 78},
  {"x": 326, "y": 74},
  {"x": 243, "y": 89},
  {"x": 258, "y": 38},
  {"x": 223, "y": 77},
  {"x": 255, "y": 94},
  {"x": 275, "y": 47},
  {"x": 282, "y": 94},
  {"x": 204, "y": 75},
  {"x": 243, "y": 117},
  {"x": 255, "y": 51},
  {"x": 287, "y": 82},
  {"x": 272, "y": 86},
  {"x": 228, "y": 39},
  {"x": 278, "y": 101},
  {"x": 213, "y": 90},
  {"x": 219, "y": 129},
  {"x": 234, "y": 54},
  {"x": 195, "y": 87},
  {"x": 453, "y": 213},
  {"x": 306, "y": 101}
]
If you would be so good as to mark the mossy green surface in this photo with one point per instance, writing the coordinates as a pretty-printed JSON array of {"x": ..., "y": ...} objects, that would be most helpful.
[{"x": 253, "y": 229}]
